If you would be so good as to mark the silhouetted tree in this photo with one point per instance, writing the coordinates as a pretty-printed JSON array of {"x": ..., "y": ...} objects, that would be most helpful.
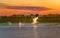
[
  {"x": 14, "y": 15},
  {"x": 31, "y": 14},
  {"x": 36, "y": 15},
  {"x": 44, "y": 15},
  {"x": 50, "y": 14}
]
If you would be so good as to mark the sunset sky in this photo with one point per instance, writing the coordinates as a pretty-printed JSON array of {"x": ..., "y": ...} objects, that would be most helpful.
[
  {"x": 53, "y": 4},
  {"x": 44, "y": 3}
]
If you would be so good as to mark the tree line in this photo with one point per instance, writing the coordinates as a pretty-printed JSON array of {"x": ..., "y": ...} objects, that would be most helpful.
[{"x": 50, "y": 18}]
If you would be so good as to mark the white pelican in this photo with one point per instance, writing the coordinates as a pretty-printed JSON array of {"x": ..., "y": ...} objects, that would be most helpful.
[{"x": 35, "y": 20}]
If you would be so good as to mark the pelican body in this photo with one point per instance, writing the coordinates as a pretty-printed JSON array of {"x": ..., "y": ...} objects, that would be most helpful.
[{"x": 35, "y": 20}]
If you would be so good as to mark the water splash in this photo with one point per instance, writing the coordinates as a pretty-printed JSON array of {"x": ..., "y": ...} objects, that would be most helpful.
[
  {"x": 20, "y": 24},
  {"x": 9, "y": 23}
]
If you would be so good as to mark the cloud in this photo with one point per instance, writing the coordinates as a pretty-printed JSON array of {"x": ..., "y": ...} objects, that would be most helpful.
[
  {"x": 28, "y": 8},
  {"x": 2, "y": 5}
]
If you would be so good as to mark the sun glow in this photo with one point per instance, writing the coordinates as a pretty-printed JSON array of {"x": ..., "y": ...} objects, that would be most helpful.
[{"x": 56, "y": 1}]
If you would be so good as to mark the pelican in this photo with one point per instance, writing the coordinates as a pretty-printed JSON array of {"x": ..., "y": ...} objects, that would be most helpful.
[{"x": 35, "y": 20}]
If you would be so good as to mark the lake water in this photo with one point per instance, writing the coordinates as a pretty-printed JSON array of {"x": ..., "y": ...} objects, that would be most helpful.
[{"x": 30, "y": 31}]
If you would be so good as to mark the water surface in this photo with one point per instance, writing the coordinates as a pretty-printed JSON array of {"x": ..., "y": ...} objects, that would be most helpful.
[{"x": 30, "y": 31}]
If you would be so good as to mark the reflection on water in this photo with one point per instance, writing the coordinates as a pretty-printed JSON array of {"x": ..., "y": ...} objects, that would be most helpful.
[
  {"x": 30, "y": 31},
  {"x": 35, "y": 29}
]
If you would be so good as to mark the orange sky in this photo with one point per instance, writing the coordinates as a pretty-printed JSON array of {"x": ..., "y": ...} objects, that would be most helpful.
[
  {"x": 55, "y": 4},
  {"x": 8, "y": 12}
]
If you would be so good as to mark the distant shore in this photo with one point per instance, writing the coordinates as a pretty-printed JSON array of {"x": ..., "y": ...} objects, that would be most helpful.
[
  {"x": 30, "y": 23},
  {"x": 29, "y": 18}
]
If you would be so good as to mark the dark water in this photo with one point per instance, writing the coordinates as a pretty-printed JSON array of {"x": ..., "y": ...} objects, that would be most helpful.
[{"x": 42, "y": 31}]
